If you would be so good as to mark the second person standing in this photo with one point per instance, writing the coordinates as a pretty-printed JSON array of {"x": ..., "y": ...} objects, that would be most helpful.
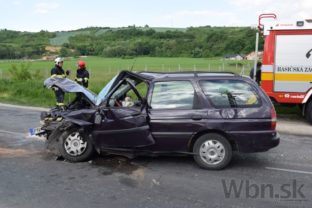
[{"x": 82, "y": 74}]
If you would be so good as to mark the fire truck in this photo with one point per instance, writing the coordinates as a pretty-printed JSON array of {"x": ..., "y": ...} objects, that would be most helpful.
[{"x": 286, "y": 72}]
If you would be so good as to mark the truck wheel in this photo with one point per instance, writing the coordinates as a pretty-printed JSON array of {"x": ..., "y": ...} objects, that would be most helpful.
[
  {"x": 212, "y": 151},
  {"x": 308, "y": 112},
  {"x": 74, "y": 146}
]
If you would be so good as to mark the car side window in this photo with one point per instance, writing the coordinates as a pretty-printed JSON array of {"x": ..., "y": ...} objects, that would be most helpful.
[
  {"x": 172, "y": 95},
  {"x": 230, "y": 93}
]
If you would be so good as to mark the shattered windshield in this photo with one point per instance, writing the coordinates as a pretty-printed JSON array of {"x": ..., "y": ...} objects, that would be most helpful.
[{"x": 102, "y": 95}]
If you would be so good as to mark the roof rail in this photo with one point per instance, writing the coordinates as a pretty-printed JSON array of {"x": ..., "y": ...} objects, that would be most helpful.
[{"x": 189, "y": 72}]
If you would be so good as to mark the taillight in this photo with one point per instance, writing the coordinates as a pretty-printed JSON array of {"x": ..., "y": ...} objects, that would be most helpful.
[{"x": 273, "y": 119}]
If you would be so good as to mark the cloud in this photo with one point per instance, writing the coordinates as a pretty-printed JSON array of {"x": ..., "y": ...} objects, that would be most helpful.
[
  {"x": 45, "y": 7},
  {"x": 197, "y": 18},
  {"x": 248, "y": 3},
  {"x": 16, "y": 3},
  {"x": 291, "y": 9}
]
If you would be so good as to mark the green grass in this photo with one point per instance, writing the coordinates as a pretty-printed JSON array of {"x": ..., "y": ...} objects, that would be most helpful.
[
  {"x": 102, "y": 69},
  {"x": 112, "y": 65}
]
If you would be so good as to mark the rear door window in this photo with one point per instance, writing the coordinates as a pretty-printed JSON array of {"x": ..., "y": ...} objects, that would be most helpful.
[
  {"x": 230, "y": 93},
  {"x": 173, "y": 95}
]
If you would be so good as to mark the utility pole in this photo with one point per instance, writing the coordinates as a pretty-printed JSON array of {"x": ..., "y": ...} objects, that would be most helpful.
[{"x": 256, "y": 55}]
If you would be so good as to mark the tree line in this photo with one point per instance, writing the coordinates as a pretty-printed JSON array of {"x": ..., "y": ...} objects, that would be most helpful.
[{"x": 134, "y": 41}]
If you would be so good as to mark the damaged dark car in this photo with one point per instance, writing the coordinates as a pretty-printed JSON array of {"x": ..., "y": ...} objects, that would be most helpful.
[{"x": 205, "y": 115}]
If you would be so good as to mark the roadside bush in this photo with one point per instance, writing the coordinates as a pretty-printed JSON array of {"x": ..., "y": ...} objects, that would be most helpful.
[
  {"x": 29, "y": 92},
  {"x": 22, "y": 73}
]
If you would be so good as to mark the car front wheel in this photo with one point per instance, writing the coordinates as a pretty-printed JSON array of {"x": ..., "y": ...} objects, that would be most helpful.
[
  {"x": 212, "y": 151},
  {"x": 74, "y": 146}
]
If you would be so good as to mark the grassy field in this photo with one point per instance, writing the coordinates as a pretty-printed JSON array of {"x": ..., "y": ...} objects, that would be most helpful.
[
  {"x": 31, "y": 92},
  {"x": 102, "y": 69}
]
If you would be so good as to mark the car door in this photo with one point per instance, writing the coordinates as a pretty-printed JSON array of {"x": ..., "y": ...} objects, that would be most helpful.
[
  {"x": 123, "y": 126},
  {"x": 175, "y": 114}
]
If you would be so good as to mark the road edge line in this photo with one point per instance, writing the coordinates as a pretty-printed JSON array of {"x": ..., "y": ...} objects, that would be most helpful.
[{"x": 23, "y": 107}]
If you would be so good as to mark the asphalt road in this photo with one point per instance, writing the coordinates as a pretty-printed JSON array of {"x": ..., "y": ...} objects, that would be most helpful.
[{"x": 31, "y": 177}]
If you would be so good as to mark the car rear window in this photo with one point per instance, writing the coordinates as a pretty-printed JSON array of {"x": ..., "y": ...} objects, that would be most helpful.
[
  {"x": 230, "y": 93},
  {"x": 173, "y": 95}
]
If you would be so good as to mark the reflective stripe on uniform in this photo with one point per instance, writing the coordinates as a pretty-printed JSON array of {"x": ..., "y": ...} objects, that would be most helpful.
[
  {"x": 58, "y": 76},
  {"x": 60, "y": 104},
  {"x": 55, "y": 88},
  {"x": 79, "y": 79},
  {"x": 86, "y": 78},
  {"x": 59, "y": 119}
]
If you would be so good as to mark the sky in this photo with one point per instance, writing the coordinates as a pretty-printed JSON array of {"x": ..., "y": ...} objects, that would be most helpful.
[{"x": 59, "y": 15}]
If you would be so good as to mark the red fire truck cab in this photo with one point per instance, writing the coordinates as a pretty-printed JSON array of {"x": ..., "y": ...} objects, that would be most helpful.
[{"x": 286, "y": 73}]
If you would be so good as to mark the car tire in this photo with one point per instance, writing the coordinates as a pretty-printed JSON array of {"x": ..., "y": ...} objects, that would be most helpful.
[
  {"x": 308, "y": 112},
  {"x": 74, "y": 146},
  {"x": 212, "y": 151}
]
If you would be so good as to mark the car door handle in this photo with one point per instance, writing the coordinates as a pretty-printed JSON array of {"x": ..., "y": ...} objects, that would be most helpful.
[{"x": 197, "y": 117}]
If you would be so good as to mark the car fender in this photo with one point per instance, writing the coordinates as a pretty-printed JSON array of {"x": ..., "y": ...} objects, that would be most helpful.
[{"x": 84, "y": 117}]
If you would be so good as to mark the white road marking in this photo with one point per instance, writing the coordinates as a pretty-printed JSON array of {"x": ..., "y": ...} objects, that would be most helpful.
[
  {"x": 26, "y": 135},
  {"x": 14, "y": 133},
  {"x": 23, "y": 107},
  {"x": 289, "y": 170}
]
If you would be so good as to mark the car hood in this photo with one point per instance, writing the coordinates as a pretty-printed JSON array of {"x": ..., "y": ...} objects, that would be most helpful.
[{"x": 68, "y": 85}]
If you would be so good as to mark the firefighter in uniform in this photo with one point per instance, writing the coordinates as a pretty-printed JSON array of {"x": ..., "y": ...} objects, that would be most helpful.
[
  {"x": 58, "y": 72},
  {"x": 82, "y": 75},
  {"x": 82, "y": 78},
  {"x": 258, "y": 73}
]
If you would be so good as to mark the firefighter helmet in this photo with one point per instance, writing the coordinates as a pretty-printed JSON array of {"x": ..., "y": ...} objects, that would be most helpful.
[
  {"x": 81, "y": 64},
  {"x": 58, "y": 60}
]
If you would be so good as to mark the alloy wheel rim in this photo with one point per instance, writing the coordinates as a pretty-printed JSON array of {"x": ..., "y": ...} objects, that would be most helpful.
[
  {"x": 74, "y": 144},
  {"x": 212, "y": 152}
]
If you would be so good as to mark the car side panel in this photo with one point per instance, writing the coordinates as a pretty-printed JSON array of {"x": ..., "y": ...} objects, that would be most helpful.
[
  {"x": 172, "y": 129},
  {"x": 123, "y": 128}
]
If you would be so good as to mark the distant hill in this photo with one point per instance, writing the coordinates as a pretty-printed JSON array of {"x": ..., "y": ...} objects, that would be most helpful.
[
  {"x": 63, "y": 36},
  {"x": 129, "y": 42}
]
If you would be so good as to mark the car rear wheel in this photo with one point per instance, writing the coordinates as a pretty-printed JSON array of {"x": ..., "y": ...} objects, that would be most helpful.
[
  {"x": 308, "y": 112},
  {"x": 212, "y": 151},
  {"x": 75, "y": 147}
]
